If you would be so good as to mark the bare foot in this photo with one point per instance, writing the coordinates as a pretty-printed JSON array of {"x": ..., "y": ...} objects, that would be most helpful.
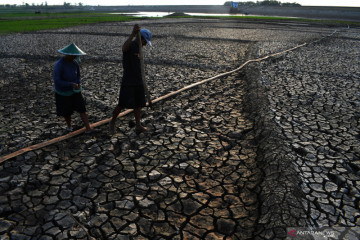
[
  {"x": 140, "y": 129},
  {"x": 90, "y": 130}
]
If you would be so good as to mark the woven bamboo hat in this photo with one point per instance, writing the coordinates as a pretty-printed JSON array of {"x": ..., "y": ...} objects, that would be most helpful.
[{"x": 72, "y": 49}]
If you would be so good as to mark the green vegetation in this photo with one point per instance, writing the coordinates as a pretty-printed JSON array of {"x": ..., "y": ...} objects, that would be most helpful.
[
  {"x": 24, "y": 22},
  {"x": 269, "y": 18},
  {"x": 328, "y": 22}
]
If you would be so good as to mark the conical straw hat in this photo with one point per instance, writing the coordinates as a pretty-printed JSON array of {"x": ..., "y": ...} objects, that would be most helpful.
[{"x": 72, "y": 49}]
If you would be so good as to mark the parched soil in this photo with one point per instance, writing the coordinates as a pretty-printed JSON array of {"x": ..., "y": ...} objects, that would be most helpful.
[{"x": 245, "y": 156}]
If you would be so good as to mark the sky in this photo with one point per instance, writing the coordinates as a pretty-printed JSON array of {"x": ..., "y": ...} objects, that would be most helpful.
[{"x": 345, "y": 3}]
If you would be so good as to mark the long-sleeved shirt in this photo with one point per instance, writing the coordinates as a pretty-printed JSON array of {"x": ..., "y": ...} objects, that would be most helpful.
[{"x": 66, "y": 74}]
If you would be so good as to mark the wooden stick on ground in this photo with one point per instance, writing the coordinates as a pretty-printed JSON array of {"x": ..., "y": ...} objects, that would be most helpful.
[{"x": 102, "y": 122}]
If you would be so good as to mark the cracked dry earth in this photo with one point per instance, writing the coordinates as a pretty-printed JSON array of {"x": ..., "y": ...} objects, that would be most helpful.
[
  {"x": 193, "y": 176},
  {"x": 229, "y": 159}
]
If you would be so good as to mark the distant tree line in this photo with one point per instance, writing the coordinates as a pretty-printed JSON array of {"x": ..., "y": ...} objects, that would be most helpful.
[
  {"x": 42, "y": 5},
  {"x": 263, "y": 3}
]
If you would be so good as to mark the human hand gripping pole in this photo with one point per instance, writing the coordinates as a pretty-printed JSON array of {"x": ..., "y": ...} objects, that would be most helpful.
[{"x": 147, "y": 94}]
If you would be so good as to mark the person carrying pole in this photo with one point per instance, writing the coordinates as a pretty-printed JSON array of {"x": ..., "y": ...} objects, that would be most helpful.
[
  {"x": 133, "y": 86},
  {"x": 68, "y": 97}
]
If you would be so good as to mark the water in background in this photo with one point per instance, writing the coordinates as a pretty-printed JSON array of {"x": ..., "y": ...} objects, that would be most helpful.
[{"x": 163, "y": 14}]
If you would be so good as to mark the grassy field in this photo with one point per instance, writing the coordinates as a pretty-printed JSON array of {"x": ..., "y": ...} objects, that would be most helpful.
[
  {"x": 25, "y": 22},
  {"x": 269, "y": 18},
  {"x": 328, "y": 22}
]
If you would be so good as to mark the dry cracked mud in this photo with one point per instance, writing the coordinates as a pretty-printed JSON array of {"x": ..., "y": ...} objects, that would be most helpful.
[{"x": 274, "y": 145}]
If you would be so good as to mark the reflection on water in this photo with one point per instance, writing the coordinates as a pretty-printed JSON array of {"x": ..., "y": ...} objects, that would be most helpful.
[
  {"x": 163, "y": 14},
  {"x": 146, "y": 14},
  {"x": 214, "y": 14}
]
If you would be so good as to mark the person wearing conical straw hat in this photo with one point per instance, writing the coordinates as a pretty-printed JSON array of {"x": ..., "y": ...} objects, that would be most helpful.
[
  {"x": 67, "y": 84},
  {"x": 132, "y": 90}
]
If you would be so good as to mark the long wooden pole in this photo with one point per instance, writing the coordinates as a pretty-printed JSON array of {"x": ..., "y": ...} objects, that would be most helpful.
[
  {"x": 75, "y": 133},
  {"x": 147, "y": 94}
]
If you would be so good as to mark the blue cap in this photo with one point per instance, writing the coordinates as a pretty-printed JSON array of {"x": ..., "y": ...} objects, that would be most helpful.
[{"x": 146, "y": 34}]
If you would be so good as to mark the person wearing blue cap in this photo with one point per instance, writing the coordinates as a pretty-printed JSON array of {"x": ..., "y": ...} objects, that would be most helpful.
[
  {"x": 67, "y": 85},
  {"x": 132, "y": 91}
]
